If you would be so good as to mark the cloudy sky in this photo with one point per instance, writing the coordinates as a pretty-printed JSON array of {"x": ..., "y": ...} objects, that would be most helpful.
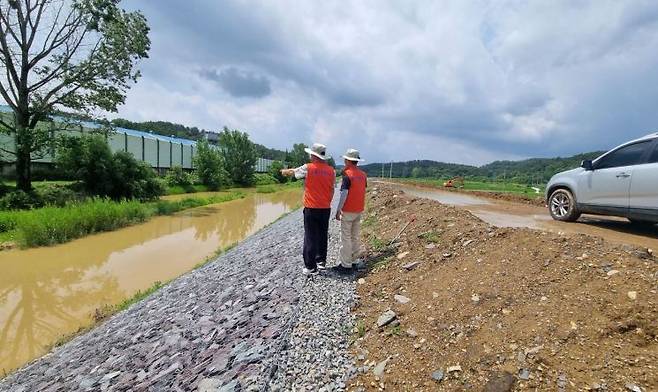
[{"x": 458, "y": 81}]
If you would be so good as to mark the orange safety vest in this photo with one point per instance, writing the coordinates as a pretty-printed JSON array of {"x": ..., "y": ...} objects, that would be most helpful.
[
  {"x": 319, "y": 185},
  {"x": 356, "y": 196}
]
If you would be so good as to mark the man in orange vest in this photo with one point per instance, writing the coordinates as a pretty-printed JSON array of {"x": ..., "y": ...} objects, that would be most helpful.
[
  {"x": 319, "y": 181},
  {"x": 351, "y": 205}
]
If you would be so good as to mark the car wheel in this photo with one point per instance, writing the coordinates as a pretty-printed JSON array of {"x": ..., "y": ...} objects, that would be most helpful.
[{"x": 562, "y": 206}]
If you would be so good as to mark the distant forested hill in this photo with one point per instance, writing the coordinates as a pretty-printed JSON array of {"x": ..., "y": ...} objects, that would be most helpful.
[
  {"x": 165, "y": 128},
  {"x": 535, "y": 170}
]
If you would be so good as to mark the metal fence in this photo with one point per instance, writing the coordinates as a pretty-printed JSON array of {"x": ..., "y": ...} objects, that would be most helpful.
[{"x": 161, "y": 152}]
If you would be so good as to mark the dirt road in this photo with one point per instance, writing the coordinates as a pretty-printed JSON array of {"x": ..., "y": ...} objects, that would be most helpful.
[{"x": 503, "y": 213}]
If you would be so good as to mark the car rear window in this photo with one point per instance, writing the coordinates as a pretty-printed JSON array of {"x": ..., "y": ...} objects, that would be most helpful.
[{"x": 625, "y": 156}]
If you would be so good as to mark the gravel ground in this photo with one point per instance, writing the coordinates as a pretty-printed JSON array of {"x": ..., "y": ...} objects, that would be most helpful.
[
  {"x": 316, "y": 357},
  {"x": 249, "y": 321}
]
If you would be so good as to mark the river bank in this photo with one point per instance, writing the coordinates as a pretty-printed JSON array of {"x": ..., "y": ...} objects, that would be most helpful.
[
  {"x": 48, "y": 293},
  {"x": 249, "y": 320}
]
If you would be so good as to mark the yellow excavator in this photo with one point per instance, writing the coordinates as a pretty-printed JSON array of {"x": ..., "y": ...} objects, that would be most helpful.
[{"x": 455, "y": 182}]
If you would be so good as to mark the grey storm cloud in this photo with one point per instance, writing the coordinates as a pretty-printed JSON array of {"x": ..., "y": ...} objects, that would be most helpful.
[
  {"x": 453, "y": 80},
  {"x": 239, "y": 83}
]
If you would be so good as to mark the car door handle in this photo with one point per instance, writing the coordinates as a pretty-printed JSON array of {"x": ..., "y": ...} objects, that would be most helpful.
[{"x": 623, "y": 175}]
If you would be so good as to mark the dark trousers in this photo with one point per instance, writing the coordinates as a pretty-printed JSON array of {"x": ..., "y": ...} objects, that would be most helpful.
[{"x": 316, "y": 228}]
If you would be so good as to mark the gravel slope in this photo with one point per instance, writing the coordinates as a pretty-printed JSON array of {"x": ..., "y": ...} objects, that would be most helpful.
[{"x": 247, "y": 321}]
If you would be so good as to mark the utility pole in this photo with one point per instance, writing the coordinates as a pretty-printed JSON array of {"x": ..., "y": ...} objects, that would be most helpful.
[
  {"x": 382, "y": 170},
  {"x": 390, "y": 173}
]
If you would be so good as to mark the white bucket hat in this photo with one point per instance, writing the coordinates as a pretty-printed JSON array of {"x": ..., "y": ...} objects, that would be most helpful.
[
  {"x": 353, "y": 155},
  {"x": 318, "y": 150}
]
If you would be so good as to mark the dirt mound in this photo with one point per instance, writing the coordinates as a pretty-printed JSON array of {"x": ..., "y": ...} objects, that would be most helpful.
[{"x": 484, "y": 308}]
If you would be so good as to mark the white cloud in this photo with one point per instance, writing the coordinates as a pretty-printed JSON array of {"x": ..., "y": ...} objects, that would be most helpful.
[{"x": 457, "y": 81}]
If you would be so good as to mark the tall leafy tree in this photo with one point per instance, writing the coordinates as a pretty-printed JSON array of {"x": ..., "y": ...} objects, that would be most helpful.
[
  {"x": 298, "y": 156},
  {"x": 239, "y": 156},
  {"x": 55, "y": 54},
  {"x": 209, "y": 165}
]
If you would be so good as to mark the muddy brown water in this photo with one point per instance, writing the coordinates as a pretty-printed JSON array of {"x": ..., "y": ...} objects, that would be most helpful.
[
  {"x": 47, "y": 293},
  {"x": 509, "y": 214}
]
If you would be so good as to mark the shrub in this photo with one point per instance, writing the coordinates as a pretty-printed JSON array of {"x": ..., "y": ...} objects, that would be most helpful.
[
  {"x": 210, "y": 166},
  {"x": 177, "y": 176},
  {"x": 56, "y": 195},
  {"x": 275, "y": 172},
  {"x": 264, "y": 179},
  {"x": 89, "y": 159},
  {"x": 132, "y": 179},
  {"x": 19, "y": 200},
  {"x": 119, "y": 175}
]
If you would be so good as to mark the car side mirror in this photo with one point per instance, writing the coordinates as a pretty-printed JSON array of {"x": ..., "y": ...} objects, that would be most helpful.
[{"x": 587, "y": 165}]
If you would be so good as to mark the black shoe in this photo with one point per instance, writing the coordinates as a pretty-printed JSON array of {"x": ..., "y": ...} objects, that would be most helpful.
[
  {"x": 339, "y": 269},
  {"x": 322, "y": 265}
]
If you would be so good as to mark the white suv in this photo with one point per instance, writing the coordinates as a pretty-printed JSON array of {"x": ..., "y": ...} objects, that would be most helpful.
[{"x": 621, "y": 182}]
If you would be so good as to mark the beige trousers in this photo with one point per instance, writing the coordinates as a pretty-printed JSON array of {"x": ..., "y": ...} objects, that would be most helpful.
[{"x": 350, "y": 226}]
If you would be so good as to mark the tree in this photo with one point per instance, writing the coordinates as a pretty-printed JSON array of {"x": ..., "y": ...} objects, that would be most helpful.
[
  {"x": 298, "y": 156},
  {"x": 54, "y": 54},
  {"x": 239, "y": 156},
  {"x": 209, "y": 165}
]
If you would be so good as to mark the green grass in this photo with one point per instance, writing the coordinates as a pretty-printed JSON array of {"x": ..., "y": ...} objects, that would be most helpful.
[
  {"x": 179, "y": 190},
  {"x": 361, "y": 328},
  {"x": 54, "y": 225},
  {"x": 39, "y": 184},
  {"x": 483, "y": 186},
  {"x": 430, "y": 236}
]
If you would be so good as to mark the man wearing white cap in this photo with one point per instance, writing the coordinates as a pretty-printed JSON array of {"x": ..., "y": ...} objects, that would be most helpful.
[
  {"x": 350, "y": 207},
  {"x": 319, "y": 181}
]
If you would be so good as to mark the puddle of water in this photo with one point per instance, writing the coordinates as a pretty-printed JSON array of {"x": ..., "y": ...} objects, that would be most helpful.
[
  {"x": 508, "y": 214},
  {"x": 46, "y": 293},
  {"x": 445, "y": 197}
]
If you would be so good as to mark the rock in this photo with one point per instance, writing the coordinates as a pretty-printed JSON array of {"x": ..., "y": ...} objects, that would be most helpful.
[
  {"x": 110, "y": 376},
  {"x": 453, "y": 369},
  {"x": 632, "y": 295},
  {"x": 410, "y": 266},
  {"x": 438, "y": 375},
  {"x": 233, "y": 386},
  {"x": 430, "y": 246},
  {"x": 386, "y": 318},
  {"x": 612, "y": 272},
  {"x": 435, "y": 295},
  {"x": 534, "y": 350},
  {"x": 402, "y": 255},
  {"x": 412, "y": 333},
  {"x": 402, "y": 299},
  {"x": 447, "y": 255},
  {"x": 562, "y": 382},
  {"x": 500, "y": 382},
  {"x": 378, "y": 371},
  {"x": 524, "y": 374},
  {"x": 467, "y": 243},
  {"x": 633, "y": 388},
  {"x": 475, "y": 298},
  {"x": 361, "y": 281},
  {"x": 209, "y": 385}
]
